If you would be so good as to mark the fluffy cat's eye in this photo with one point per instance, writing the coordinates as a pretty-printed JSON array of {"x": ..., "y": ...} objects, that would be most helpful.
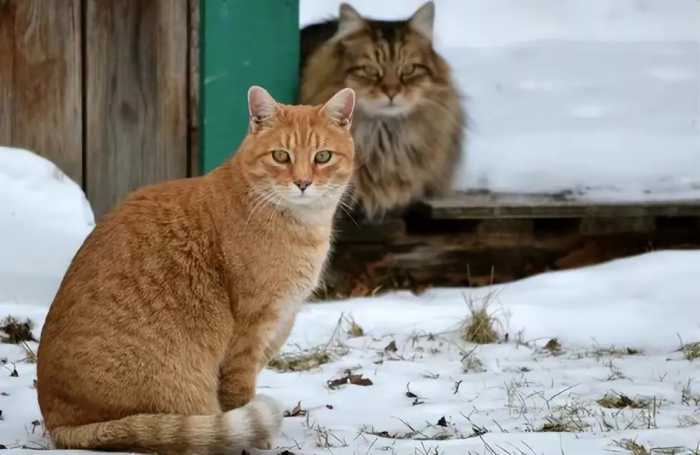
[
  {"x": 280, "y": 156},
  {"x": 371, "y": 72},
  {"x": 413, "y": 70},
  {"x": 365, "y": 72},
  {"x": 323, "y": 156}
]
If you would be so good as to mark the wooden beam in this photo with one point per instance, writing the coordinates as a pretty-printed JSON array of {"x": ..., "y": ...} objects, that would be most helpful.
[
  {"x": 41, "y": 80},
  {"x": 7, "y": 46},
  {"x": 137, "y": 127},
  {"x": 466, "y": 206},
  {"x": 195, "y": 168}
]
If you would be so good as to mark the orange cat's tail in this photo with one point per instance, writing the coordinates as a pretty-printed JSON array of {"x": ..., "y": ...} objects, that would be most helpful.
[{"x": 252, "y": 425}]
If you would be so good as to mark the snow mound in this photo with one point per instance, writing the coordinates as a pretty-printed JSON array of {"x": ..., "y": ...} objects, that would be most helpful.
[{"x": 44, "y": 218}]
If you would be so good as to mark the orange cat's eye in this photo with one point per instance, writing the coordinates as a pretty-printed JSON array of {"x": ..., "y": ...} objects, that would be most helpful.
[
  {"x": 323, "y": 156},
  {"x": 280, "y": 156}
]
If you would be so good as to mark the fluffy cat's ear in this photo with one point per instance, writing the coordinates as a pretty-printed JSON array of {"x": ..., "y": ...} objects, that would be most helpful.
[
  {"x": 423, "y": 19},
  {"x": 349, "y": 21},
  {"x": 340, "y": 107},
  {"x": 261, "y": 107}
]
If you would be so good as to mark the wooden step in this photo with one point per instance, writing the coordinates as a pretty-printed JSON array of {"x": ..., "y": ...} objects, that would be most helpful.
[{"x": 482, "y": 205}]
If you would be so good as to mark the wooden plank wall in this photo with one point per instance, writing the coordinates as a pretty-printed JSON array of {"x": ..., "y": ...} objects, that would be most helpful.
[
  {"x": 102, "y": 88},
  {"x": 136, "y": 64},
  {"x": 40, "y": 80}
]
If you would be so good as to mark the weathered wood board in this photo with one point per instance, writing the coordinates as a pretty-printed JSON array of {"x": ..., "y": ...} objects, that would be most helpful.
[
  {"x": 136, "y": 96},
  {"x": 503, "y": 205},
  {"x": 499, "y": 238},
  {"x": 40, "y": 80}
]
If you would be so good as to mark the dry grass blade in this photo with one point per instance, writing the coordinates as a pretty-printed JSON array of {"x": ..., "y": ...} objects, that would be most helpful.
[
  {"x": 553, "y": 346},
  {"x": 691, "y": 351},
  {"x": 570, "y": 418},
  {"x": 311, "y": 358},
  {"x": 16, "y": 331},
  {"x": 355, "y": 330},
  {"x": 29, "y": 353},
  {"x": 632, "y": 447},
  {"x": 300, "y": 361},
  {"x": 619, "y": 401},
  {"x": 472, "y": 364},
  {"x": 480, "y": 326}
]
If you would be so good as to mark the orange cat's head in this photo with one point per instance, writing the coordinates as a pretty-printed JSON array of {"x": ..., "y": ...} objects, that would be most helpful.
[{"x": 299, "y": 157}]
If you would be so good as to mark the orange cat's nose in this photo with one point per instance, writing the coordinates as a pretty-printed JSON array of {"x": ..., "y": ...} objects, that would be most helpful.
[{"x": 302, "y": 184}]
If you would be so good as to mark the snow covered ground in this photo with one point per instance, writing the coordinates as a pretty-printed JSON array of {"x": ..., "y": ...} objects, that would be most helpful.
[
  {"x": 619, "y": 325},
  {"x": 416, "y": 386},
  {"x": 601, "y": 97}
]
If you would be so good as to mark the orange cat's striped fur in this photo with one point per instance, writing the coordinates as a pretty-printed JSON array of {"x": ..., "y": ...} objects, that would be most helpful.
[{"x": 180, "y": 296}]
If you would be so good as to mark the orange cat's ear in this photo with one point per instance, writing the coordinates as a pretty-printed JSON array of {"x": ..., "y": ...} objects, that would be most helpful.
[
  {"x": 349, "y": 21},
  {"x": 261, "y": 107},
  {"x": 423, "y": 19},
  {"x": 340, "y": 107}
]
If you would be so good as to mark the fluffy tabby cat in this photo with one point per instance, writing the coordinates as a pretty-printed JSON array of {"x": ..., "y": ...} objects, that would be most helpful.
[
  {"x": 180, "y": 296},
  {"x": 409, "y": 123}
]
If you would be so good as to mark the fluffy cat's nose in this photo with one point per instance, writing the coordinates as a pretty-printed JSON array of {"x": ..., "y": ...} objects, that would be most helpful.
[
  {"x": 391, "y": 91},
  {"x": 302, "y": 184}
]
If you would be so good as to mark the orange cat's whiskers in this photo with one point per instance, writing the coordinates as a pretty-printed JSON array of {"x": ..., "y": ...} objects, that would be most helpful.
[{"x": 260, "y": 199}]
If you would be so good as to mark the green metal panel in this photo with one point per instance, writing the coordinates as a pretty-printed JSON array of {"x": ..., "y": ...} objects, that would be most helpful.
[{"x": 243, "y": 43}]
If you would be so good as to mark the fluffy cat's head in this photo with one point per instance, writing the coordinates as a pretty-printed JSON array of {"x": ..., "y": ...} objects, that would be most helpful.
[
  {"x": 299, "y": 157},
  {"x": 390, "y": 64}
]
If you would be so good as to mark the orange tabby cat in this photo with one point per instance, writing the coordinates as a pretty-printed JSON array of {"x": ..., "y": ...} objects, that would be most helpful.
[{"x": 180, "y": 296}]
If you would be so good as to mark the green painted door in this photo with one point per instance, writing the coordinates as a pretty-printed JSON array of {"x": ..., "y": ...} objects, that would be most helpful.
[{"x": 243, "y": 43}]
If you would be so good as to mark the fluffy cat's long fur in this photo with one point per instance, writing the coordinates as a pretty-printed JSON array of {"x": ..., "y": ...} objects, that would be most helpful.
[
  {"x": 409, "y": 123},
  {"x": 181, "y": 295}
]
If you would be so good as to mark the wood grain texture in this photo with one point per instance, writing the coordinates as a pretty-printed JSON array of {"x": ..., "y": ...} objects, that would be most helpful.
[
  {"x": 466, "y": 206},
  {"x": 136, "y": 96},
  {"x": 193, "y": 39},
  {"x": 40, "y": 80},
  {"x": 6, "y": 70},
  {"x": 474, "y": 252}
]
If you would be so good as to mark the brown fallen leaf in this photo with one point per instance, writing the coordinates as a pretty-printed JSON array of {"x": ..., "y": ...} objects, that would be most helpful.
[
  {"x": 296, "y": 411},
  {"x": 391, "y": 347},
  {"x": 335, "y": 383},
  {"x": 349, "y": 378},
  {"x": 553, "y": 346},
  {"x": 357, "y": 379}
]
